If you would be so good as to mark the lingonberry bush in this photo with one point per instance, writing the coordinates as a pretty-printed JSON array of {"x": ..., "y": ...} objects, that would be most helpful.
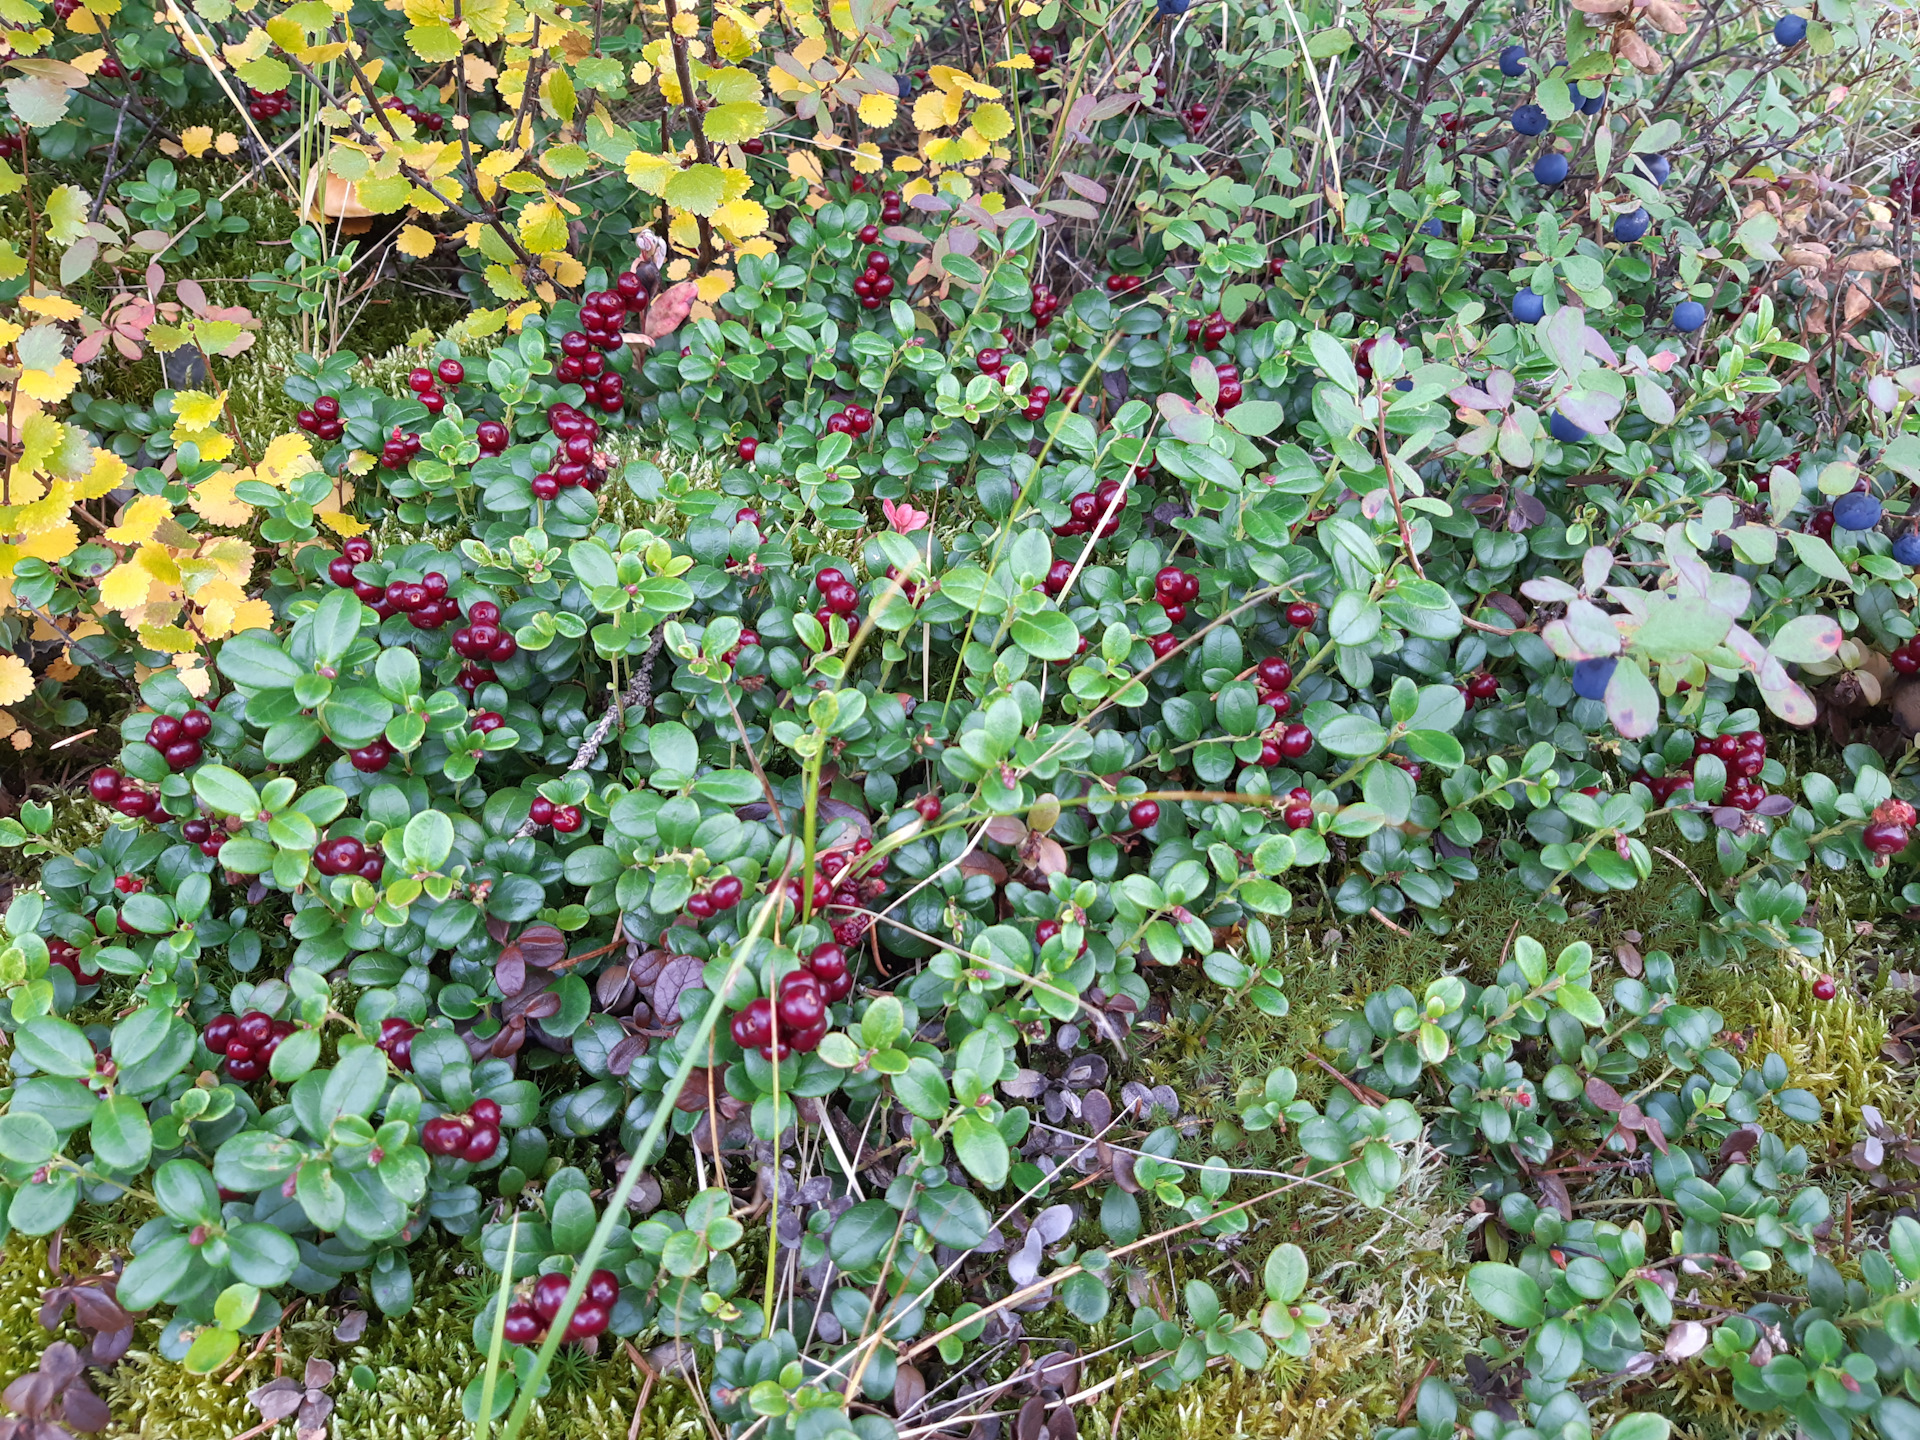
[{"x": 929, "y": 542}]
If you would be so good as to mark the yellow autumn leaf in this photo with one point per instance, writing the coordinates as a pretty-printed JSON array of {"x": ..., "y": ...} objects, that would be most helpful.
[
  {"x": 811, "y": 50},
  {"x": 937, "y": 109},
  {"x": 649, "y": 172},
  {"x": 172, "y": 639},
  {"x": 866, "y": 160},
  {"x": 993, "y": 121},
  {"x": 341, "y": 523},
  {"x": 16, "y": 680},
  {"x": 50, "y": 386},
  {"x": 521, "y": 313},
  {"x": 107, "y": 472},
  {"x": 196, "y": 139},
  {"x": 287, "y": 457},
  {"x": 193, "y": 674},
  {"x": 1022, "y": 61},
  {"x": 227, "y": 143},
  {"x": 54, "y": 543},
  {"x": 907, "y": 164},
  {"x": 543, "y": 227},
  {"x": 415, "y": 242},
  {"x": 878, "y": 110},
  {"x": 699, "y": 189},
  {"x": 714, "y": 284},
  {"x": 254, "y": 615},
  {"x": 731, "y": 40},
  {"x": 213, "y": 501},
  {"x": 229, "y": 557},
  {"x": 195, "y": 410},
  {"x": 125, "y": 586},
  {"x": 804, "y": 165},
  {"x": 54, "y": 307},
  {"x": 42, "y": 515},
  {"x": 215, "y": 447},
  {"x": 140, "y": 519},
  {"x": 741, "y": 220}
]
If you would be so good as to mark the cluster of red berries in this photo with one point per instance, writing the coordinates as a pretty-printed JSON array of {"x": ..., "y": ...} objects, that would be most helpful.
[
  {"x": 1482, "y": 687},
  {"x": 1298, "y": 814},
  {"x": 747, "y": 637},
  {"x": 801, "y": 1008},
  {"x": 1124, "y": 284},
  {"x": 126, "y": 885},
  {"x": 426, "y": 119},
  {"x": 1274, "y": 675},
  {"x": 1288, "y": 742},
  {"x": 1744, "y": 754},
  {"x": 838, "y": 596},
  {"x": 396, "y": 1041},
  {"x": 723, "y": 894},
  {"x": 874, "y": 284},
  {"x": 473, "y": 1136},
  {"x": 426, "y": 383},
  {"x": 834, "y": 886},
  {"x": 564, "y": 818},
  {"x": 1042, "y": 57},
  {"x": 577, "y": 462},
  {"x": 1195, "y": 115},
  {"x": 67, "y": 957},
  {"x": 346, "y": 855},
  {"x": 908, "y": 588},
  {"x": 266, "y": 104},
  {"x": 1906, "y": 657},
  {"x": 400, "y": 446},
  {"x": 493, "y": 437},
  {"x": 110, "y": 787},
  {"x": 527, "y": 1322},
  {"x": 482, "y": 636},
  {"x": 1042, "y": 304},
  {"x": 1890, "y": 829},
  {"x": 889, "y": 206},
  {"x": 1231, "y": 393},
  {"x": 178, "y": 740},
  {"x": 1173, "y": 588},
  {"x": 995, "y": 363},
  {"x": 1087, "y": 510},
  {"x": 247, "y": 1042},
  {"x": 202, "y": 832},
  {"x": 322, "y": 419},
  {"x": 1210, "y": 332},
  {"x": 1036, "y": 406},
  {"x": 849, "y": 420}
]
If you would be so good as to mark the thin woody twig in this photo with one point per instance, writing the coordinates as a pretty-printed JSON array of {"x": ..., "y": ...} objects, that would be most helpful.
[{"x": 639, "y": 693}]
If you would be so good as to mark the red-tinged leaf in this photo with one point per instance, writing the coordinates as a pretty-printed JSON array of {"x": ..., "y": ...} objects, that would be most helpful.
[
  {"x": 1604, "y": 1095},
  {"x": 669, "y": 310},
  {"x": 1651, "y": 1125}
]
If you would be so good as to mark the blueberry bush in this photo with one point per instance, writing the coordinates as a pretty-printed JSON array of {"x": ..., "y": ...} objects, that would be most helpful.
[{"x": 762, "y": 769}]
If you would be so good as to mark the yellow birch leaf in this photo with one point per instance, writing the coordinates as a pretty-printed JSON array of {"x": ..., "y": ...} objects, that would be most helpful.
[
  {"x": 125, "y": 586},
  {"x": 227, "y": 143},
  {"x": 215, "y": 447},
  {"x": 173, "y": 639},
  {"x": 196, "y": 139},
  {"x": 341, "y": 523},
  {"x": 213, "y": 501},
  {"x": 52, "y": 544},
  {"x": 254, "y": 615},
  {"x": 866, "y": 160},
  {"x": 878, "y": 110},
  {"x": 140, "y": 519},
  {"x": 230, "y": 557},
  {"x": 415, "y": 242},
  {"x": 50, "y": 386},
  {"x": 107, "y": 472},
  {"x": 56, "y": 307},
  {"x": 16, "y": 680},
  {"x": 42, "y": 515},
  {"x": 287, "y": 457},
  {"x": 195, "y": 410},
  {"x": 741, "y": 220},
  {"x": 992, "y": 121},
  {"x": 714, "y": 284}
]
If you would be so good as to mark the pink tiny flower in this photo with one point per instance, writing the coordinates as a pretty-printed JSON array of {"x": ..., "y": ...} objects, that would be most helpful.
[{"x": 903, "y": 517}]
